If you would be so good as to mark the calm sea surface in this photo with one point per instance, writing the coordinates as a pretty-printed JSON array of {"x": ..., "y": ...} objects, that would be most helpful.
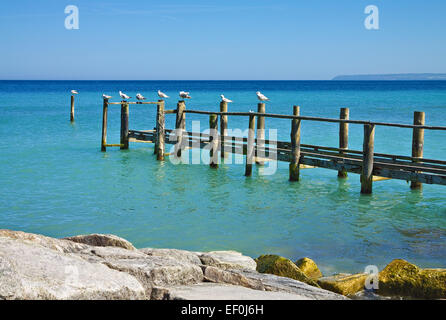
[{"x": 55, "y": 181}]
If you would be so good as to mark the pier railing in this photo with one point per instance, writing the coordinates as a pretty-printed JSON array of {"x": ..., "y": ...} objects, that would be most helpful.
[{"x": 369, "y": 165}]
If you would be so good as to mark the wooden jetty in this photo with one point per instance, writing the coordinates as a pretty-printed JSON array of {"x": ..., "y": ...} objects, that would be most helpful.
[{"x": 369, "y": 165}]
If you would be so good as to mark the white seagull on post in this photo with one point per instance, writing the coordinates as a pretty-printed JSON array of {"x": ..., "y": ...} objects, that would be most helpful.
[
  {"x": 162, "y": 95},
  {"x": 184, "y": 95},
  {"x": 261, "y": 96},
  {"x": 224, "y": 99},
  {"x": 139, "y": 96},
  {"x": 124, "y": 96},
  {"x": 106, "y": 97},
  {"x": 74, "y": 92}
]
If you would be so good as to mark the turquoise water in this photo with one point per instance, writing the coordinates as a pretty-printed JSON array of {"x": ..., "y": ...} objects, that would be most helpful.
[{"x": 55, "y": 181}]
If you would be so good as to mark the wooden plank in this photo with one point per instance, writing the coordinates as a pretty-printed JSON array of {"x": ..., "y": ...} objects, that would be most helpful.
[
  {"x": 261, "y": 109},
  {"x": 343, "y": 137},
  {"x": 104, "y": 125},
  {"x": 417, "y": 143},
  {"x": 223, "y": 128},
  {"x": 124, "y": 126},
  {"x": 213, "y": 151},
  {"x": 295, "y": 147},
  {"x": 160, "y": 136},
  {"x": 250, "y": 146}
]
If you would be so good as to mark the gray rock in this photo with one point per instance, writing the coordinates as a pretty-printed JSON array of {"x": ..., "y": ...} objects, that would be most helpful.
[
  {"x": 219, "y": 291},
  {"x": 179, "y": 255},
  {"x": 228, "y": 260},
  {"x": 30, "y": 271},
  {"x": 149, "y": 270},
  {"x": 284, "y": 284},
  {"x": 214, "y": 274},
  {"x": 102, "y": 240}
]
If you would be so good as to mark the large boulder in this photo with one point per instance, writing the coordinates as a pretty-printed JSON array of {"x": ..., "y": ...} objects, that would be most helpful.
[
  {"x": 401, "y": 278},
  {"x": 309, "y": 267},
  {"x": 345, "y": 284},
  {"x": 149, "y": 270},
  {"x": 217, "y": 275},
  {"x": 227, "y": 260},
  {"x": 179, "y": 255},
  {"x": 33, "y": 271},
  {"x": 277, "y": 283},
  {"x": 280, "y": 266},
  {"x": 102, "y": 240}
]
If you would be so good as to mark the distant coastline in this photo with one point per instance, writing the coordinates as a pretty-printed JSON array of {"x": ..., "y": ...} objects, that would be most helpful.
[{"x": 392, "y": 77}]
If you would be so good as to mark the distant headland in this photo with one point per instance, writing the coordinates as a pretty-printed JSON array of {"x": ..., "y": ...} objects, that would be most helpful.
[{"x": 400, "y": 76}]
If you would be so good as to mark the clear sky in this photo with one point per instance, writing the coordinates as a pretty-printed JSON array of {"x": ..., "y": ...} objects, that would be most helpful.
[{"x": 225, "y": 39}]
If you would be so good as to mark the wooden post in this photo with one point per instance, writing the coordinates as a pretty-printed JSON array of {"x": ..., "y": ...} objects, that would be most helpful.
[
  {"x": 104, "y": 125},
  {"x": 223, "y": 128},
  {"x": 250, "y": 146},
  {"x": 124, "y": 126},
  {"x": 156, "y": 127},
  {"x": 295, "y": 146},
  {"x": 180, "y": 125},
  {"x": 160, "y": 135},
  {"x": 72, "y": 108},
  {"x": 367, "y": 164},
  {"x": 343, "y": 136},
  {"x": 213, "y": 151},
  {"x": 418, "y": 142},
  {"x": 260, "y": 132}
]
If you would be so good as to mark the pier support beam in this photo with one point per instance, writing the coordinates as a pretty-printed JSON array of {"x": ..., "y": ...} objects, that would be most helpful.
[
  {"x": 250, "y": 146},
  {"x": 343, "y": 137},
  {"x": 260, "y": 134},
  {"x": 104, "y": 125},
  {"x": 367, "y": 161},
  {"x": 418, "y": 142},
  {"x": 213, "y": 136},
  {"x": 180, "y": 125},
  {"x": 223, "y": 128},
  {"x": 72, "y": 109},
  {"x": 160, "y": 135},
  {"x": 124, "y": 126},
  {"x": 295, "y": 146}
]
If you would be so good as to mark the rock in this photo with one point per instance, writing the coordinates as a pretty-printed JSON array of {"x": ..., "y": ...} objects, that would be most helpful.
[
  {"x": 367, "y": 295},
  {"x": 283, "y": 267},
  {"x": 345, "y": 284},
  {"x": 401, "y": 278},
  {"x": 228, "y": 260},
  {"x": 277, "y": 283},
  {"x": 102, "y": 240},
  {"x": 213, "y": 274},
  {"x": 309, "y": 267},
  {"x": 149, "y": 270},
  {"x": 46, "y": 242},
  {"x": 32, "y": 271},
  {"x": 179, "y": 255},
  {"x": 219, "y": 291}
]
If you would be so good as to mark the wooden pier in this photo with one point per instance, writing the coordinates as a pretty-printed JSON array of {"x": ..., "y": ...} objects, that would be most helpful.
[{"x": 369, "y": 165}]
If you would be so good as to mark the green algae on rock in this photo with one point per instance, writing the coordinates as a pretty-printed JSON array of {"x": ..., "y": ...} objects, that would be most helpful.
[
  {"x": 345, "y": 284},
  {"x": 401, "y": 278},
  {"x": 280, "y": 266},
  {"x": 309, "y": 267}
]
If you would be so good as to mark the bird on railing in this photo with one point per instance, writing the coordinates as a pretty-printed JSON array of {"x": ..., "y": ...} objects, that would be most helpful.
[
  {"x": 162, "y": 95},
  {"x": 261, "y": 97},
  {"x": 74, "y": 92},
  {"x": 106, "y": 97},
  {"x": 140, "y": 97},
  {"x": 124, "y": 96},
  {"x": 224, "y": 99},
  {"x": 184, "y": 95}
]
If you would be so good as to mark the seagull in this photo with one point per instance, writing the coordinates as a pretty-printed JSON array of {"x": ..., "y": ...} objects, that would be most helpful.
[
  {"x": 162, "y": 95},
  {"x": 124, "y": 96},
  {"x": 139, "y": 96},
  {"x": 261, "y": 96},
  {"x": 106, "y": 97},
  {"x": 184, "y": 95},
  {"x": 225, "y": 99},
  {"x": 74, "y": 92}
]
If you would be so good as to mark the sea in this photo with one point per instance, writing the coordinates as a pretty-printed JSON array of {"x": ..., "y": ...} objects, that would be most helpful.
[{"x": 55, "y": 181}]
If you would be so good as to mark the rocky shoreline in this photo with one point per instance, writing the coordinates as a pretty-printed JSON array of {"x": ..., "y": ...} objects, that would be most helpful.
[{"x": 100, "y": 266}]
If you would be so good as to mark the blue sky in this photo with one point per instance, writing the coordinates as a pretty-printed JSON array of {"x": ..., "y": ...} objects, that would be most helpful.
[{"x": 215, "y": 40}]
